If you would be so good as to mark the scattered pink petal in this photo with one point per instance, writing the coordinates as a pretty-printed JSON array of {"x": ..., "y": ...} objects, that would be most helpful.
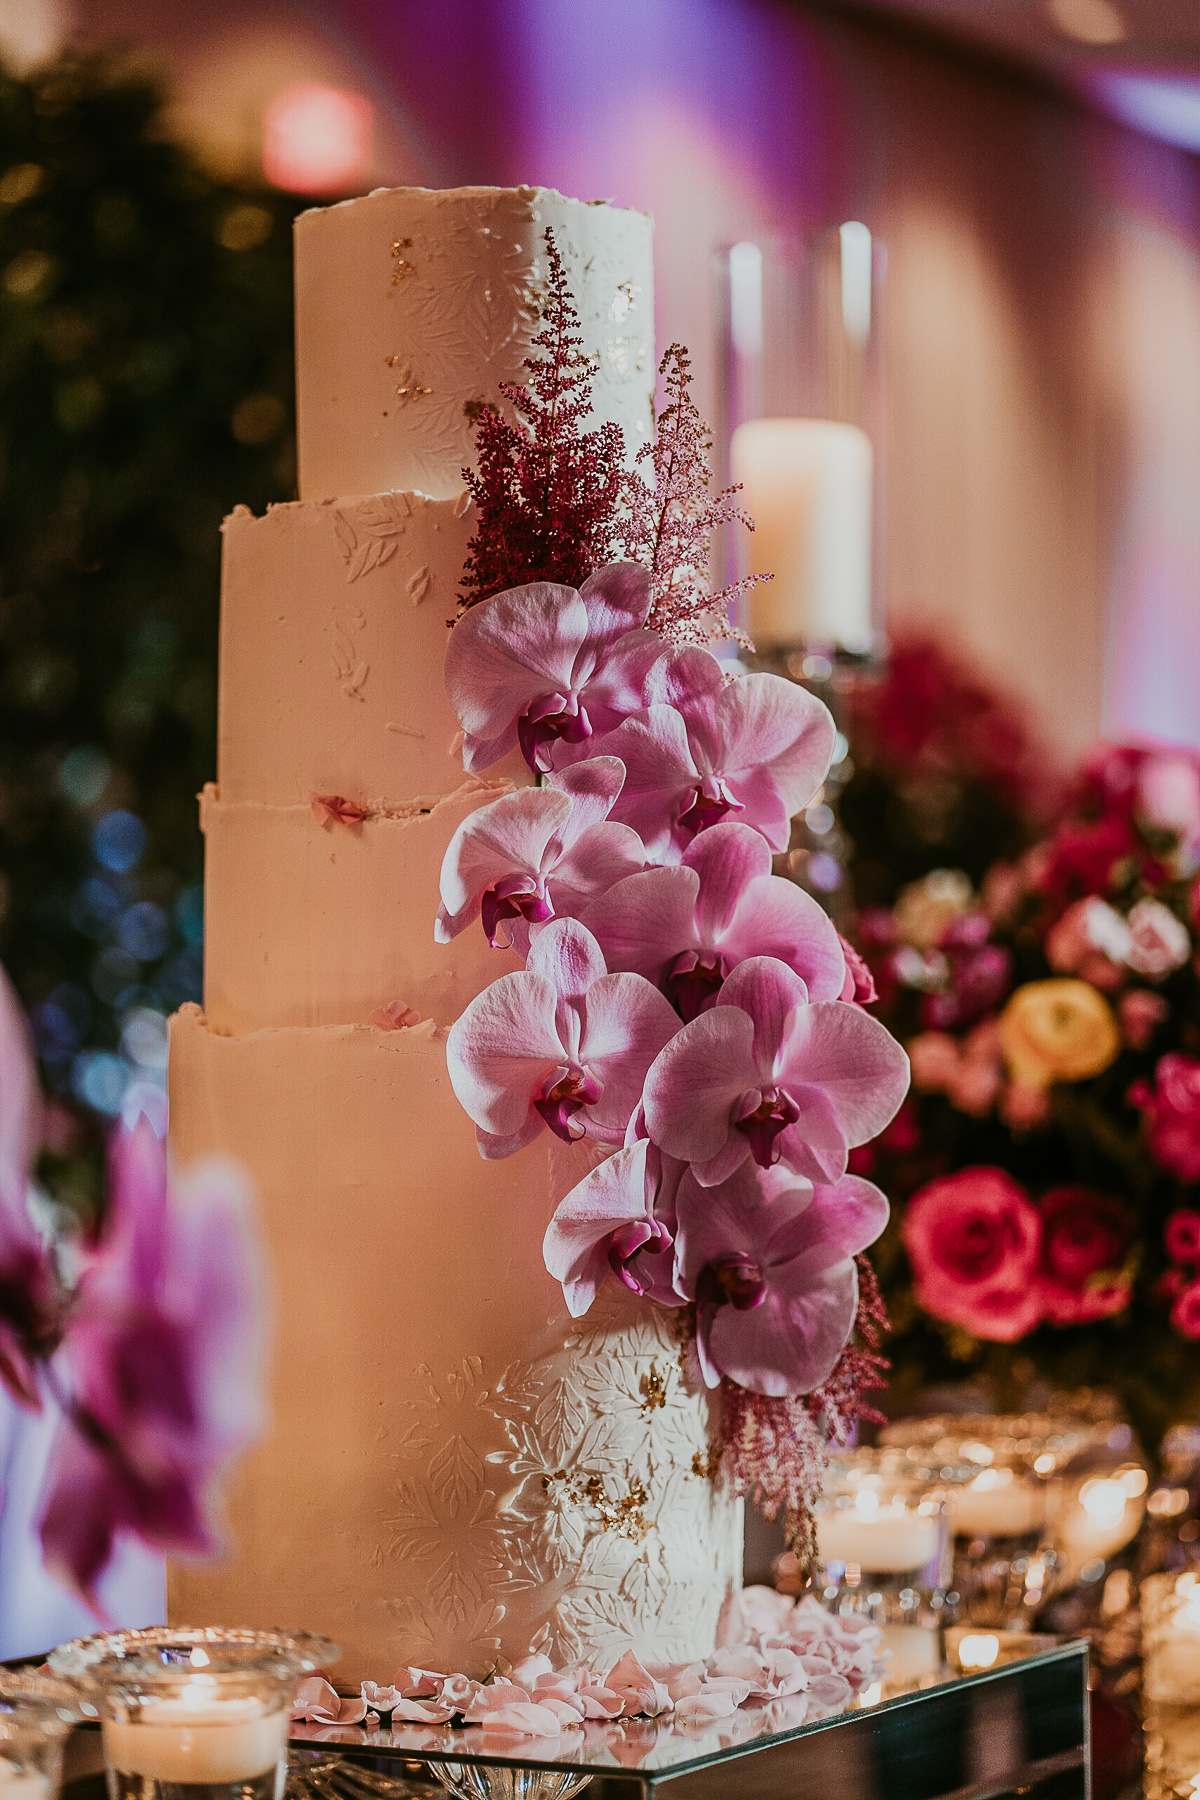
[
  {"x": 394, "y": 1017},
  {"x": 333, "y": 809}
]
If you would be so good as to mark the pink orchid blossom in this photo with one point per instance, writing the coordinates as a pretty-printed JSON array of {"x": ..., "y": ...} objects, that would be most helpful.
[
  {"x": 162, "y": 1364},
  {"x": 619, "y": 1220},
  {"x": 685, "y": 928},
  {"x": 562, "y": 1045},
  {"x": 767, "y": 1075},
  {"x": 755, "y": 749},
  {"x": 769, "y": 1262},
  {"x": 536, "y": 854},
  {"x": 30, "y": 1296},
  {"x": 545, "y": 666}
]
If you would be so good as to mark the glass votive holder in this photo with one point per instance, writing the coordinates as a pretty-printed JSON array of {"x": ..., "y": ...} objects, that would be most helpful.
[
  {"x": 884, "y": 1550},
  {"x": 1006, "y": 1557},
  {"x": 36, "y": 1713},
  {"x": 193, "y": 1713},
  {"x": 1171, "y": 1639}
]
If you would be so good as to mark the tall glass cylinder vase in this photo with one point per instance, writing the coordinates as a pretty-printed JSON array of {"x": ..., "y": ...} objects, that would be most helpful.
[{"x": 803, "y": 432}]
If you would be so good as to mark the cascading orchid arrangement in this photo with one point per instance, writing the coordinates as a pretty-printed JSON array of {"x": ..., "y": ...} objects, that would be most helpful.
[{"x": 690, "y": 1018}]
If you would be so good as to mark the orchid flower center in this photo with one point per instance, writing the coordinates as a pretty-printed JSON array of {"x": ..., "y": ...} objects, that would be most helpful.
[
  {"x": 710, "y": 804},
  {"x": 773, "y": 1114},
  {"x": 624, "y": 1244},
  {"x": 516, "y": 897},
  {"x": 735, "y": 1280},
  {"x": 692, "y": 984},
  {"x": 559, "y": 1103},
  {"x": 552, "y": 717}
]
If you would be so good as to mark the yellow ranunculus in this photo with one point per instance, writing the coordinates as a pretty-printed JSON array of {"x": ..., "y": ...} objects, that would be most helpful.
[{"x": 1057, "y": 1031}]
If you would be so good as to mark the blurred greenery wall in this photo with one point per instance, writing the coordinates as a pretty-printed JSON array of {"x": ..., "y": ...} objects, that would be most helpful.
[{"x": 145, "y": 389}]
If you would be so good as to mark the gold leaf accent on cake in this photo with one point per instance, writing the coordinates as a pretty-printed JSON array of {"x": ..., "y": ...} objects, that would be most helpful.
[
  {"x": 401, "y": 267},
  {"x": 370, "y": 532},
  {"x": 418, "y": 584},
  {"x": 653, "y": 1389}
]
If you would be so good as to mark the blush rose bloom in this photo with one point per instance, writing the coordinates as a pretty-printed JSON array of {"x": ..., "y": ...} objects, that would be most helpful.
[
  {"x": 1159, "y": 942},
  {"x": 974, "y": 1240},
  {"x": 1171, "y": 1112},
  {"x": 1057, "y": 1031},
  {"x": 1085, "y": 1241}
]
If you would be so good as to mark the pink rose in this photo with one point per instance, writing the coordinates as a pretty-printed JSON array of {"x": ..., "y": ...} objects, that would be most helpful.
[
  {"x": 973, "y": 1239},
  {"x": 934, "y": 1057},
  {"x": 1169, "y": 795},
  {"x": 1023, "y": 1107},
  {"x": 1140, "y": 1013},
  {"x": 1182, "y": 1236},
  {"x": 1171, "y": 1112},
  {"x": 1085, "y": 1240},
  {"x": 1159, "y": 942},
  {"x": 1089, "y": 929},
  {"x": 1185, "y": 1314}
]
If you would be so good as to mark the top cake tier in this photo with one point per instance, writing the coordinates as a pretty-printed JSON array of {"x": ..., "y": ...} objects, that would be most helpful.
[{"x": 413, "y": 305}]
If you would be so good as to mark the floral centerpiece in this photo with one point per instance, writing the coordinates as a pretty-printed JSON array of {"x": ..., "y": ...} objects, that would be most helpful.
[
  {"x": 1048, "y": 1159},
  {"x": 688, "y": 1016}
]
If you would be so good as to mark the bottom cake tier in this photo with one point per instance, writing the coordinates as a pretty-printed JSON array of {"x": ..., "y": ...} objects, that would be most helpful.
[{"x": 451, "y": 1462}]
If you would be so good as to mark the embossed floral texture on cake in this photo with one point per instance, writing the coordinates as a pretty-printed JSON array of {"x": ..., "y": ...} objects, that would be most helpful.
[{"x": 687, "y": 1015}]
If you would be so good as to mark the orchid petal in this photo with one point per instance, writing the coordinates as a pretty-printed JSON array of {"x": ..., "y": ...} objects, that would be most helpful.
[
  {"x": 696, "y": 1081},
  {"x": 591, "y": 786},
  {"x": 772, "y": 726},
  {"x": 617, "y": 598},
  {"x": 502, "y": 1047},
  {"x": 726, "y": 858},
  {"x": 575, "y": 1247},
  {"x": 774, "y": 917},
  {"x": 505, "y": 653},
  {"x": 771, "y": 993},
  {"x": 647, "y": 920},
  {"x": 20, "y": 1109},
  {"x": 853, "y": 1058},
  {"x": 627, "y": 1023},
  {"x": 507, "y": 834}
]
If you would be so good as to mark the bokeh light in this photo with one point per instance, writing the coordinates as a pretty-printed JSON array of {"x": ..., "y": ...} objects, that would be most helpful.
[{"x": 317, "y": 139}]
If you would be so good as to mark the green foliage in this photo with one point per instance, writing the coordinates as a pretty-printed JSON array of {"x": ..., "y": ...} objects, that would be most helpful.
[{"x": 145, "y": 389}]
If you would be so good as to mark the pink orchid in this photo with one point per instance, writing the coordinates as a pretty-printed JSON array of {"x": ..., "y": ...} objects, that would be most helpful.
[
  {"x": 30, "y": 1298},
  {"x": 636, "y": 1686},
  {"x": 757, "y": 747},
  {"x": 769, "y": 1263},
  {"x": 317, "y": 1702},
  {"x": 687, "y": 927},
  {"x": 563, "y": 1045},
  {"x": 767, "y": 1075},
  {"x": 536, "y": 854},
  {"x": 162, "y": 1363},
  {"x": 619, "y": 1220},
  {"x": 545, "y": 666}
]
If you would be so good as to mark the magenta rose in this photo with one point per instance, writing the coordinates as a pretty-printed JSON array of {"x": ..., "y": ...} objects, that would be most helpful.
[
  {"x": 1182, "y": 1236},
  {"x": 1185, "y": 1314},
  {"x": 1172, "y": 1114},
  {"x": 1085, "y": 1240},
  {"x": 974, "y": 1240}
]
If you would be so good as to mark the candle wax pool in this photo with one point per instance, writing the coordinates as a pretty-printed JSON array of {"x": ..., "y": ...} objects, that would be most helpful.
[{"x": 223, "y": 1740}]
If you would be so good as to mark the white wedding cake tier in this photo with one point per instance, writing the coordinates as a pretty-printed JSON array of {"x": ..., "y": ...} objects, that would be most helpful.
[{"x": 451, "y": 1463}]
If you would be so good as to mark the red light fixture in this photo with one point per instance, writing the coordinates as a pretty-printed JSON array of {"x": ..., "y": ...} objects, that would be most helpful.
[{"x": 317, "y": 139}]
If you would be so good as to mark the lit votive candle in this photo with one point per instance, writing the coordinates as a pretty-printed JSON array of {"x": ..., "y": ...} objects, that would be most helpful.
[
  {"x": 198, "y": 1737},
  {"x": 882, "y": 1538},
  {"x": 1171, "y": 1639},
  {"x": 915, "y": 1651},
  {"x": 998, "y": 1503}
]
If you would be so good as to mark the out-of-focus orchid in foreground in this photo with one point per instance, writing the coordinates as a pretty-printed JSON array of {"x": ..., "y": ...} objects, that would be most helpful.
[
  {"x": 768, "y": 1260},
  {"x": 689, "y": 926},
  {"x": 30, "y": 1296},
  {"x": 755, "y": 749},
  {"x": 545, "y": 665},
  {"x": 563, "y": 1045},
  {"x": 536, "y": 854},
  {"x": 766, "y": 1074},
  {"x": 161, "y": 1364}
]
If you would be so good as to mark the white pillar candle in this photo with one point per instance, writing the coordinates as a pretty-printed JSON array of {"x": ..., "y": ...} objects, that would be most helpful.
[
  {"x": 916, "y": 1651},
  {"x": 197, "y": 1738},
  {"x": 998, "y": 1503},
  {"x": 880, "y": 1539},
  {"x": 807, "y": 484}
]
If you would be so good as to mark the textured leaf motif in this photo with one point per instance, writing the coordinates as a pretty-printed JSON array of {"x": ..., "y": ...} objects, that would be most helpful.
[
  {"x": 455, "y": 1593},
  {"x": 370, "y": 532},
  {"x": 418, "y": 584},
  {"x": 645, "y": 1583},
  {"x": 415, "y": 1528},
  {"x": 414, "y": 1440},
  {"x": 455, "y": 1474},
  {"x": 351, "y": 669},
  {"x": 560, "y": 1418},
  {"x": 465, "y": 1376}
]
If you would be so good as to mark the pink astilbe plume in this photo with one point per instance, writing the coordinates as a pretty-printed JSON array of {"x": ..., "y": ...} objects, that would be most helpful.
[
  {"x": 547, "y": 491},
  {"x": 672, "y": 521},
  {"x": 161, "y": 1363}
]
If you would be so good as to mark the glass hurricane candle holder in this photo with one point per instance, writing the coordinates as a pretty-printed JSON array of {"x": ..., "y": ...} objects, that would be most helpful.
[
  {"x": 1007, "y": 1558},
  {"x": 36, "y": 1714},
  {"x": 194, "y": 1714},
  {"x": 884, "y": 1548}
]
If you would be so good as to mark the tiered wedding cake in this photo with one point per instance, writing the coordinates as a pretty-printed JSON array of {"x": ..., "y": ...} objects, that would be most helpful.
[{"x": 451, "y": 1462}]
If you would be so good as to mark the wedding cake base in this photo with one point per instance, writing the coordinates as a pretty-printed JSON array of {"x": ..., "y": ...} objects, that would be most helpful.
[{"x": 451, "y": 1463}]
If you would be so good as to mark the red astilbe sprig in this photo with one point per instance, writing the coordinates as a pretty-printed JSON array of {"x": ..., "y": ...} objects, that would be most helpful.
[
  {"x": 548, "y": 492},
  {"x": 776, "y": 1447},
  {"x": 672, "y": 519}
]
